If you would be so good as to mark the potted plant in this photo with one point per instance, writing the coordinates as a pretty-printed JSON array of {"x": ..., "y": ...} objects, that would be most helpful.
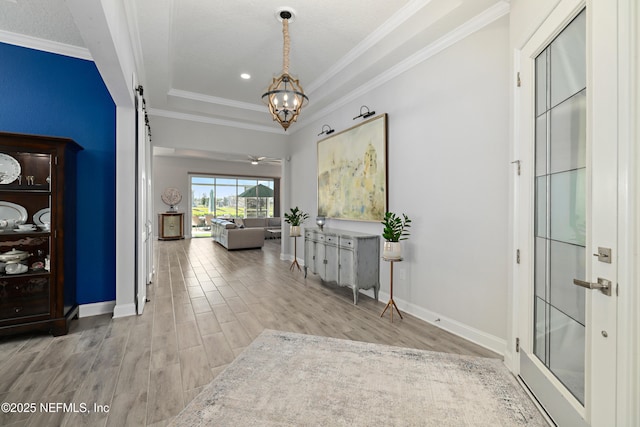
[
  {"x": 395, "y": 229},
  {"x": 295, "y": 218}
]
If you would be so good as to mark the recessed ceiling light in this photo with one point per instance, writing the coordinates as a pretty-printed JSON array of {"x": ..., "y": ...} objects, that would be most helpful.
[{"x": 245, "y": 76}]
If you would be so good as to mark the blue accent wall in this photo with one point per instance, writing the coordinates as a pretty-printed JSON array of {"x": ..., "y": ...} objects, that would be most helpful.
[{"x": 48, "y": 94}]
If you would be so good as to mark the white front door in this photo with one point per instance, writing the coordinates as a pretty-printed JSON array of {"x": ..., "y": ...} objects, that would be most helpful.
[{"x": 567, "y": 213}]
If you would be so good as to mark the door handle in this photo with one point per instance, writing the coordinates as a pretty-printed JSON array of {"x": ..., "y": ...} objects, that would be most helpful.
[{"x": 603, "y": 285}]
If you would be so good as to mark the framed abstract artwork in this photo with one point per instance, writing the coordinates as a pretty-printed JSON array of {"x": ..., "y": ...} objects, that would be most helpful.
[{"x": 352, "y": 172}]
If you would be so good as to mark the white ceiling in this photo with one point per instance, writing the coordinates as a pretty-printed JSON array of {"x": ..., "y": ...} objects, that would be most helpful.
[
  {"x": 194, "y": 51},
  {"x": 191, "y": 52}
]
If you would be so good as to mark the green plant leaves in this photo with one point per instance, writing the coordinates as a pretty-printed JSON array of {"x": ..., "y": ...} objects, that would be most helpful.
[
  {"x": 296, "y": 217},
  {"x": 395, "y": 227}
]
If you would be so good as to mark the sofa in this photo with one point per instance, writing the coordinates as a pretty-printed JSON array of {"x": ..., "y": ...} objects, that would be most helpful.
[
  {"x": 262, "y": 223},
  {"x": 231, "y": 236}
]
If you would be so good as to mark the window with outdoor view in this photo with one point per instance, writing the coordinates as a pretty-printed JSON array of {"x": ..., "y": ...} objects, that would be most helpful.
[{"x": 232, "y": 197}]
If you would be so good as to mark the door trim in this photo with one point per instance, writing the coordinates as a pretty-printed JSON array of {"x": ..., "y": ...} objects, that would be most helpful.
[{"x": 628, "y": 391}]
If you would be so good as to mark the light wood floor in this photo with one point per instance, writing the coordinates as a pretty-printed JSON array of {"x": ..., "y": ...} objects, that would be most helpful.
[{"x": 206, "y": 306}]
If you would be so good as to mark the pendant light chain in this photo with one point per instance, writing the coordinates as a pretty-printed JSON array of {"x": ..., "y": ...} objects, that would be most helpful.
[{"x": 285, "y": 33}]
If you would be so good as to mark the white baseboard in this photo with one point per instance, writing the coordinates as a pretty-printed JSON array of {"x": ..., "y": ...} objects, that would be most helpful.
[
  {"x": 124, "y": 310},
  {"x": 96, "y": 308},
  {"x": 488, "y": 341},
  {"x": 509, "y": 362}
]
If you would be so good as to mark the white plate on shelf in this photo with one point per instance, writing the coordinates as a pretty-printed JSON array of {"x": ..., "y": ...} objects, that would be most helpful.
[
  {"x": 42, "y": 216},
  {"x": 9, "y": 169},
  {"x": 12, "y": 212}
]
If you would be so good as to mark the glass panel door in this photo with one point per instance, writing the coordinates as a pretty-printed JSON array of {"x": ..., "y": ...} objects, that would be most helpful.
[
  {"x": 560, "y": 206},
  {"x": 567, "y": 208}
]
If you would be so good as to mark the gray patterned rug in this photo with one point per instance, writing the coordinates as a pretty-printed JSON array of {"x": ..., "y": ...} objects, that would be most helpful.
[{"x": 286, "y": 379}]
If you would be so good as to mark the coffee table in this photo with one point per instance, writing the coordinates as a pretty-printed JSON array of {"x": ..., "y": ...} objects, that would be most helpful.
[{"x": 274, "y": 233}]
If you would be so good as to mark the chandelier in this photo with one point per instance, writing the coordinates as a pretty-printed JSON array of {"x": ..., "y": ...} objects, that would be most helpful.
[{"x": 284, "y": 96}]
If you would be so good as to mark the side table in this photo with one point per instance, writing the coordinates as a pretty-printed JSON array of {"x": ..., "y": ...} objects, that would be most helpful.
[
  {"x": 170, "y": 226},
  {"x": 391, "y": 302}
]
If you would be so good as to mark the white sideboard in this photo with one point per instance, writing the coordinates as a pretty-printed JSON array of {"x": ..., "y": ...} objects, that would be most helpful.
[{"x": 347, "y": 258}]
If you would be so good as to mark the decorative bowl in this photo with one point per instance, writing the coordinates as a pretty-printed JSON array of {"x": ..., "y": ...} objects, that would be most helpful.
[
  {"x": 14, "y": 256},
  {"x": 8, "y": 224},
  {"x": 16, "y": 268}
]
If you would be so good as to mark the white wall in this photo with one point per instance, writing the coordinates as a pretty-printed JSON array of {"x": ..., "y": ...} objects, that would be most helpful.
[
  {"x": 174, "y": 172},
  {"x": 449, "y": 168},
  {"x": 525, "y": 17},
  {"x": 174, "y": 133}
]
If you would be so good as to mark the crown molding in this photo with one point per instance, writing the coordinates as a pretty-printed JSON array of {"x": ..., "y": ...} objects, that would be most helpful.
[
  {"x": 361, "y": 48},
  {"x": 45, "y": 45},
  {"x": 136, "y": 44},
  {"x": 478, "y": 22},
  {"x": 213, "y": 121},
  {"x": 193, "y": 96}
]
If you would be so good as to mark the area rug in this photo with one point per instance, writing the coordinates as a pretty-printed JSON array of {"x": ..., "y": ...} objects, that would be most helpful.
[{"x": 286, "y": 379}]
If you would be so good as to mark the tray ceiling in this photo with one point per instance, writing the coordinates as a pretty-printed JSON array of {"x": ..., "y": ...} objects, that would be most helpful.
[{"x": 191, "y": 52}]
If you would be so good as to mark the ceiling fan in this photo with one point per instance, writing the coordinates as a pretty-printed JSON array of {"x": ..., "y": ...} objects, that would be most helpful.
[{"x": 262, "y": 159}]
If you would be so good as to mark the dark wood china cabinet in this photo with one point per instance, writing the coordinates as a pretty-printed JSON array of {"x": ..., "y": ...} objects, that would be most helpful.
[{"x": 37, "y": 233}]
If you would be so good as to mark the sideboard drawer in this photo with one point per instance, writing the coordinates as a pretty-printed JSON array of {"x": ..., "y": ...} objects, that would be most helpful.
[
  {"x": 331, "y": 239},
  {"x": 23, "y": 287},
  {"x": 21, "y": 297},
  {"x": 346, "y": 242}
]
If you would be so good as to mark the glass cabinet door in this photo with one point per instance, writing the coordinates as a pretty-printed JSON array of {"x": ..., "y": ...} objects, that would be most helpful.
[{"x": 25, "y": 233}]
